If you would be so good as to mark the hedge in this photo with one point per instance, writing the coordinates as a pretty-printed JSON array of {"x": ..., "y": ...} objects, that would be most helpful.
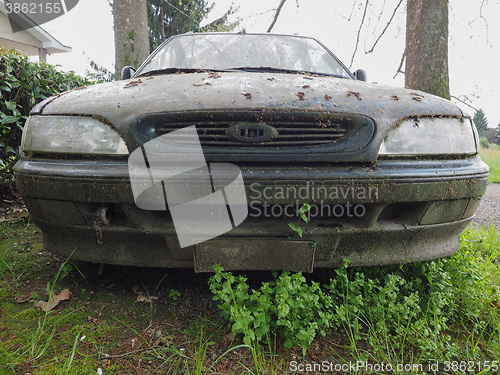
[{"x": 23, "y": 84}]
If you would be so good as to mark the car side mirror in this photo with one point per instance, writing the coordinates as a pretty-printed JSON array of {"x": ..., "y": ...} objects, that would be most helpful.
[
  {"x": 360, "y": 75},
  {"x": 128, "y": 72}
]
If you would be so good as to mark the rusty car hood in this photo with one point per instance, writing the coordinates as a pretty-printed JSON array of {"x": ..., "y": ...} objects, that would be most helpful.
[{"x": 121, "y": 101}]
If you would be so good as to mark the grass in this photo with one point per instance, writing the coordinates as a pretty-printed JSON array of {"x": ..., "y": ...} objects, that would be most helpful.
[
  {"x": 441, "y": 314},
  {"x": 491, "y": 156},
  {"x": 442, "y": 311}
]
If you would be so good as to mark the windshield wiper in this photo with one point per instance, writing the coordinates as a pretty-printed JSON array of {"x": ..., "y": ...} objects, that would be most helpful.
[
  {"x": 269, "y": 69},
  {"x": 178, "y": 71}
]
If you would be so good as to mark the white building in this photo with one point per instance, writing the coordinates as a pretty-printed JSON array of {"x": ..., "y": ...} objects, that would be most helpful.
[{"x": 31, "y": 42}]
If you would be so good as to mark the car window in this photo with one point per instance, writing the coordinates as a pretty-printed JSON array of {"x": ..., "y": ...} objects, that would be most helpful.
[{"x": 238, "y": 51}]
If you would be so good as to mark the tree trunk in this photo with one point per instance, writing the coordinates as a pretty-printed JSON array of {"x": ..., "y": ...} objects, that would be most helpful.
[
  {"x": 131, "y": 33},
  {"x": 427, "y": 47}
]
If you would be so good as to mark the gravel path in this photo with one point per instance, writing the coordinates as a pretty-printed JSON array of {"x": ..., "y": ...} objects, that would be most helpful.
[{"x": 488, "y": 211}]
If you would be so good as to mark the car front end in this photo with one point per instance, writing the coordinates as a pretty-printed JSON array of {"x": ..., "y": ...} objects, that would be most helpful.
[{"x": 388, "y": 174}]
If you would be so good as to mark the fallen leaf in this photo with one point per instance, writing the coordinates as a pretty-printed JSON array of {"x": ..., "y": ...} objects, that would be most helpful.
[
  {"x": 54, "y": 300},
  {"x": 141, "y": 297},
  {"x": 202, "y": 84},
  {"x": 64, "y": 295},
  {"x": 162, "y": 341},
  {"x": 23, "y": 298}
]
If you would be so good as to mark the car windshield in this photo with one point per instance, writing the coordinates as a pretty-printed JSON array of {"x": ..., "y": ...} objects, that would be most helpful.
[{"x": 252, "y": 52}]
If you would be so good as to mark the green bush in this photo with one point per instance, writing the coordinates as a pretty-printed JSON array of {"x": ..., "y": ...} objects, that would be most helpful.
[
  {"x": 23, "y": 84},
  {"x": 483, "y": 142}
]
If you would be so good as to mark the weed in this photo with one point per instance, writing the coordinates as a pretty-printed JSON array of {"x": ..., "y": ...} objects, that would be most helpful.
[
  {"x": 67, "y": 364},
  {"x": 287, "y": 306},
  {"x": 301, "y": 213},
  {"x": 174, "y": 294},
  {"x": 406, "y": 313}
]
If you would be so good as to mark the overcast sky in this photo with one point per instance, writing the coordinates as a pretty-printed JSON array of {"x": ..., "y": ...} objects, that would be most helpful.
[{"x": 474, "y": 45}]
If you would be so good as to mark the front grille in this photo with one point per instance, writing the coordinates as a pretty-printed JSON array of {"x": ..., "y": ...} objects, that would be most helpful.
[
  {"x": 245, "y": 129},
  {"x": 289, "y": 133}
]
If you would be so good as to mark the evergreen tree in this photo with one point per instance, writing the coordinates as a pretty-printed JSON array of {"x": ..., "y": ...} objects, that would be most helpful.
[
  {"x": 172, "y": 17},
  {"x": 481, "y": 123}
]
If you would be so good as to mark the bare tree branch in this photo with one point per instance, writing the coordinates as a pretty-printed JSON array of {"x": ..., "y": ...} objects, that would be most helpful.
[
  {"x": 358, "y": 34},
  {"x": 276, "y": 15},
  {"x": 261, "y": 13},
  {"x": 386, "y": 27},
  {"x": 464, "y": 101},
  {"x": 352, "y": 11},
  {"x": 481, "y": 16},
  {"x": 400, "y": 65}
]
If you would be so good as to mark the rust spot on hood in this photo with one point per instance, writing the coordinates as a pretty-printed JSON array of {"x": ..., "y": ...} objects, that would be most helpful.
[
  {"x": 416, "y": 96},
  {"x": 132, "y": 83},
  {"x": 355, "y": 93}
]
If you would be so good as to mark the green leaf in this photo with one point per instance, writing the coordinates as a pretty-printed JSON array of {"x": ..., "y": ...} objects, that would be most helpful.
[
  {"x": 299, "y": 232},
  {"x": 236, "y": 328},
  {"x": 9, "y": 120},
  {"x": 5, "y": 88},
  {"x": 305, "y": 207},
  {"x": 11, "y": 105}
]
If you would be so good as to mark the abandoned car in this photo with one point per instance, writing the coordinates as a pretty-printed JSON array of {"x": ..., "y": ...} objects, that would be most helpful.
[{"x": 255, "y": 151}]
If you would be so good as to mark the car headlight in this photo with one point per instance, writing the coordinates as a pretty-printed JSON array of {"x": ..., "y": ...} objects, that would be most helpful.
[
  {"x": 71, "y": 135},
  {"x": 430, "y": 136}
]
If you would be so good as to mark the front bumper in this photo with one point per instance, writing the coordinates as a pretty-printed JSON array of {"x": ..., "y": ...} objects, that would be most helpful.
[{"x": 373, "y": 215}]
